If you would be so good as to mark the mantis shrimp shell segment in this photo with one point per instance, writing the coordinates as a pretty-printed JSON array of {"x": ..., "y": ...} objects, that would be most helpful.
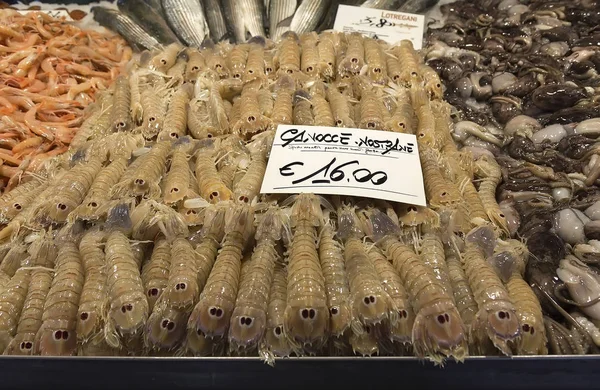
[
  {"x": 249, "y": 317},
  {"x": 438, "y": 330},
  {"x": 306, "y": 318},
  {"x": 56, "y": 336}
]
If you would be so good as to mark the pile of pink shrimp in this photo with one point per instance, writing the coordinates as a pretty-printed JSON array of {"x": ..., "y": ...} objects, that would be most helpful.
[{"x": 50, "y": 71}]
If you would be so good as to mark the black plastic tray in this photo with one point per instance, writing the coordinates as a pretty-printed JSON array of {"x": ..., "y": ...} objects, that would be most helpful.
[{"x": 554, "y": 372}]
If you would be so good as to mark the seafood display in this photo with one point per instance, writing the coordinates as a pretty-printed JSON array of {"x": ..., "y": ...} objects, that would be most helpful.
[
  {"x": 522, "y": 79},
  {"x": 51, "y": 72},
  {"x": 150, "y": 237},
  {"x": 153, "y": 25}
]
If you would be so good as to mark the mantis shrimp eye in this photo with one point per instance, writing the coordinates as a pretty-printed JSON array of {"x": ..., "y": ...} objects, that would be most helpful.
[
  {"x": 65, "y": 335},
  {"x": 61, "y": 206},
  {"x": 312, "y": 313},
  {"x": 502, "y": 315},
  {"x": 174, "y": 190},
  {"x": 269, "y": 69},
  {"x": 371, "y": 125},
  {"x": 309, "y": 68},
  {"x": 411, "y": 209},
  {"x": 195, "y": 68},
  {"x": 277, "y": 331},
  {"x": 153, "y": 292},
  {"x": 163, "y": 61},
  {"x": 334, "y": 311},
  {"x": 237, "y": 76},
  {"x": 304, "y": 313},
  {"x": 370, "y": 299},
  {"x": 17, "y": 206},
  {"x": 84, "y": 316},
  {"x": 413, "y": 73},
  {"x": 180, "y": 286},
  {"x": 251, "y": 118},
  {"x": 250, "y": 71},
  {"x": 339, "y": 122},
  {"x": 438, "y": 85},
  {"x": 168, "y": 325},
  {"x": 174, "y": 135},
  {"x": 246, "y": 321},
  {"x": 93, "y": 204},
  {"x": 377, "y": 70},
  {"x": 140, "y": 182},
  {"x": 402, "y": 314},
  {"x": 58, "y": 335},
  {"x": 289, "y": 71},
  {"x": 354, "y": 60},
  {"x": 216, "y": 312}
]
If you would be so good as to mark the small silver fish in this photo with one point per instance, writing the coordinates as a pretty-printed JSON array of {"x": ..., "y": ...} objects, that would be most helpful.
[
  {"x": 150, "y": 17},
  {"x": 307, "y": 16},
  {"x": 186, "y": 18},
  {"x": 245, "y": 17},
  {"x": 215, "y": 19},
  {"x": 417, "y": 6},
  {"x": 278, "y": 11},
  {"x": 381, "y": 4},
  {"x": 133, "y": 33}
]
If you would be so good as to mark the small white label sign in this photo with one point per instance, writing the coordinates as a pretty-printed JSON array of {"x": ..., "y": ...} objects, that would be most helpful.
[
  {"x": 60, "y": 13},
  {"x": 388, "y": 26},
  {"x": 340, "y": 161}
]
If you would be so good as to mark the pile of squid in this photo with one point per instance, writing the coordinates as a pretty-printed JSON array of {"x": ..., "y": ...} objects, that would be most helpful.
[
  {"x": 523, "y": 78},
  {"x": 50, "y": 71},
  {"x": 150, "y": 235}
]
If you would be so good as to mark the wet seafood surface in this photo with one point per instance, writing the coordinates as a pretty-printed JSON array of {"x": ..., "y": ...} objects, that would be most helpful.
[{"x": 162, "y": 245}]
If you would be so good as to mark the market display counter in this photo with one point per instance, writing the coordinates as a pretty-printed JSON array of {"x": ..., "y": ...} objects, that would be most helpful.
[{"x": 553, "y": 372}]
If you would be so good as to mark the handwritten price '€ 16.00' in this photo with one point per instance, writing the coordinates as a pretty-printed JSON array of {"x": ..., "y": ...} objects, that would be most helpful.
[{"x": 332, "y": 172}]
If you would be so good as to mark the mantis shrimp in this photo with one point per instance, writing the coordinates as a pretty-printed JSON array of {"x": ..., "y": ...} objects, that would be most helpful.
[{"x": 438, "y": 330}]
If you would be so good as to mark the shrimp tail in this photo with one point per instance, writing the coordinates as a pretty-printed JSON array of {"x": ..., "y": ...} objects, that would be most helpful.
[
  {"x": 119, "y": 218},
  {"x": 484, "y": 237},
  {"x": 184, "y": 143},
  {"x": 504, "y": 263},
  {"x": 348, "y": 224},
  {"x": 379, "y": 225}
]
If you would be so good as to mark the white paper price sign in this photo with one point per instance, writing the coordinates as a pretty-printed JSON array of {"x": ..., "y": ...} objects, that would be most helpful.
[
  {"x": 388, "y": 26},
  {"x": 339, "y": 161}
]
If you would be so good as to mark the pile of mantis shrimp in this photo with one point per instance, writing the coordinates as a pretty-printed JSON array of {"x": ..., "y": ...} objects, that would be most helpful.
[{"x": 150, "y": 235}]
